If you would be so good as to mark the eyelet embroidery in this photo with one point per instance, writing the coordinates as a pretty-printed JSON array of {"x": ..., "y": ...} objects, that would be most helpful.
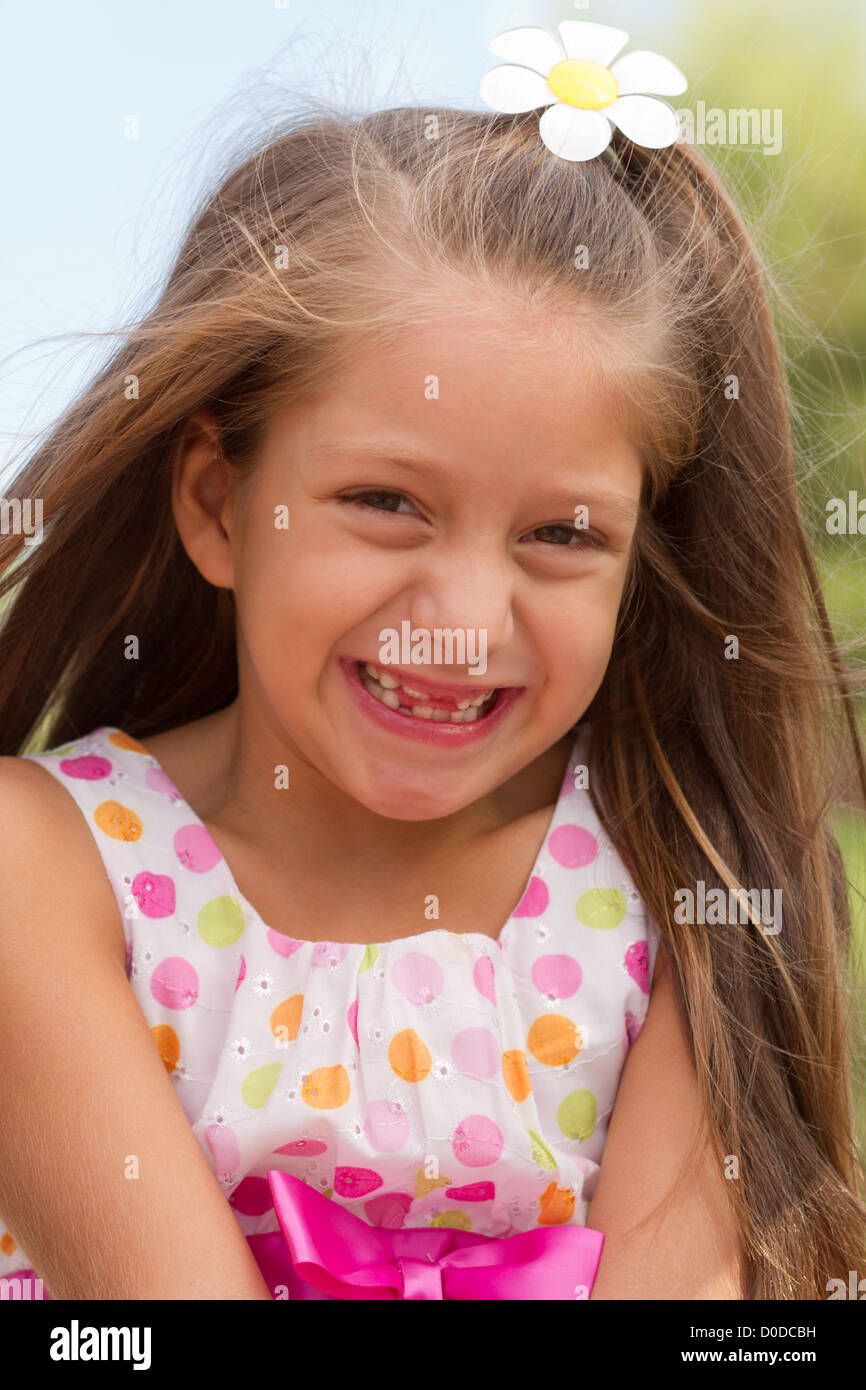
[{"x": 229, "y": 1000}]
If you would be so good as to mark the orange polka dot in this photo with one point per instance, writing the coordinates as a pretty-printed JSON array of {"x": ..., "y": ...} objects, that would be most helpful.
[
  {"x": 516, "y": 1074},
  {"x": 409, "y": 1056},
  {"x": 118, "y": 821},
  {"x": 553, "y": 1040},
  {"x": 326, "y": 1088},
  {"x": 167, "y": 1045},
  {"x": 557, "y": 1205},
  {"x": 286, "y": 1018},
  {"x": 122, "y": 740},
  {"x": 8, "y": 1244}
]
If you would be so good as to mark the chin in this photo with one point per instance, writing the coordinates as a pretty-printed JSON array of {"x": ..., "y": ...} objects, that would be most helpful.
[{"x": 399, "y": 800}]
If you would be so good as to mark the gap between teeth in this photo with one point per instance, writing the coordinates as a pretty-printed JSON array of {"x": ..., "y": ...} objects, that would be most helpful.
[{"x": 383, "y": 687}]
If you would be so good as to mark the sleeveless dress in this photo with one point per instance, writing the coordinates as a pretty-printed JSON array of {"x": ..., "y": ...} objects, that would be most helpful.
[{"x": 443, "y": 1089}]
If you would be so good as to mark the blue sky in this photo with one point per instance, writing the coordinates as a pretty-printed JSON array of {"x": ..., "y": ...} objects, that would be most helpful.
[{"x": 92, "y": 218}]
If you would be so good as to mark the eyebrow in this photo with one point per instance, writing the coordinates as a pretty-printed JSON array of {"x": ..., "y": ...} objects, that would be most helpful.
[{"x": 599, "y": 496}]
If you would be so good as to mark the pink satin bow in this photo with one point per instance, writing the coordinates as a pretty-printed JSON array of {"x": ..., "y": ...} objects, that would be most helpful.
[{"x": 323, "y": 1245}]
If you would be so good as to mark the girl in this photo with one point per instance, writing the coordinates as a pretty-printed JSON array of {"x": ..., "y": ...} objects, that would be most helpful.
[{"x": 252, "y": 859}]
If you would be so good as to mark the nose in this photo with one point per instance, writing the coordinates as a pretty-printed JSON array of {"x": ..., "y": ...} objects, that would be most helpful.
[{"x": 466, "y": 591}]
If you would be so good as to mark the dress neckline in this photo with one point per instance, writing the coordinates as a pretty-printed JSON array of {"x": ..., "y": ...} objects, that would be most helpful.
[{"x": 253, "y": 916}]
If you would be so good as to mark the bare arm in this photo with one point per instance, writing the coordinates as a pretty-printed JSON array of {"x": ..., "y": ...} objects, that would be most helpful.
[
  {"x": 82, "y": 1086},
  {"x": 691, "y": 1250}
]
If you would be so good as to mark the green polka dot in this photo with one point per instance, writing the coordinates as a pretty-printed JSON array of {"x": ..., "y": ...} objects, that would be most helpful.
[
  {"x": 601, "y": 908},
  {"x": 454, "y": 1220},
  {"x": 540, "y": 1152},
  {"x": 369, "y": 958},
  {"x": 576, "y": 1115},
  {"x": 221, "y": 921},
  {"x": 259, "y": 1084}
]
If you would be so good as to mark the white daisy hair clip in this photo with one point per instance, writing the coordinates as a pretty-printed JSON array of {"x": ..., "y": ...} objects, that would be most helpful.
[{"x": 585, "y": 91}]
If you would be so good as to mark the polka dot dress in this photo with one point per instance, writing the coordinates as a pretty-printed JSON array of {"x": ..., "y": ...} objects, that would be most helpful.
[{"x": 440, "y": 1079}]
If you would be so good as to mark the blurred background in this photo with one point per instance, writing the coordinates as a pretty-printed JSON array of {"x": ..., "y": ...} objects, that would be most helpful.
[{"x": 116, "y": 119}]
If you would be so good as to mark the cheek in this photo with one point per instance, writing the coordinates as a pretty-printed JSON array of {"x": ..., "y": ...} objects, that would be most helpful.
[
  {"x": 284, "y": 582},
  {"x": 276, "y": 605},
  {"x": 297, "y": 595},
  {"x": 582, "y": 627}
]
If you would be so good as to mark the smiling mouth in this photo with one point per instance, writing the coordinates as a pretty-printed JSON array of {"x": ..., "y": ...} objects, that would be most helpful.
[{"x": 423, "y": 705}]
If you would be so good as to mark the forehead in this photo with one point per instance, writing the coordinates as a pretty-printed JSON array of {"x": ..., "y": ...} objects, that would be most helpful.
[{"x": 487, "y": 379}]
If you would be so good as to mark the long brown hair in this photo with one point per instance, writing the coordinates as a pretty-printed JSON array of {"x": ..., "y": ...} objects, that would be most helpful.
[{"x": 708, "y": 764}]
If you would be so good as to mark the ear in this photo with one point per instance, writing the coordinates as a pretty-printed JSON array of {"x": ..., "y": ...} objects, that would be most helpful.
[{"x": 202, "y": 499}]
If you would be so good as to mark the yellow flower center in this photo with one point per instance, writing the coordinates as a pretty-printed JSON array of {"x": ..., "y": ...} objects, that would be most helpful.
[{"x": 583, "y": 83}]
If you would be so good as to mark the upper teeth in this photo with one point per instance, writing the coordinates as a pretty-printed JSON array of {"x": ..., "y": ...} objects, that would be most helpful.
[
  {"x": 386, "y": 680},
  {"x": 383, "y": 685}
]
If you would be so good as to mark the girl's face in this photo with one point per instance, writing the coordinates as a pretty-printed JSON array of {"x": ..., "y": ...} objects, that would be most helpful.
[{"x": 436, "y": 485}]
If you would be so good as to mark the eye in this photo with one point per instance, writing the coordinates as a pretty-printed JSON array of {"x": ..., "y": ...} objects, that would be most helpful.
[
  {"x": 380, "y": 500},
  {"x": 562, "y": 535}
]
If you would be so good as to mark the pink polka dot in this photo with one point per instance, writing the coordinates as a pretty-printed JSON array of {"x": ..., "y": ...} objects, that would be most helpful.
[
  {"x": 356, "y": 1182},
  {"x": 282, "y": 944},
  {"x": 242, "y": 974},
  {"x": 637, "y": 964},
  {"x": 89, "y": 768},
  {"x": 472, "y": 1192},
  {"x": 557, "y": 977},
  {"x": 477, "y": 1141},
  {"x": 196, "y": 848},
  {"x": 483, "y": 978},
  {"x": 534, "y": 900},
  {"x": 327, "y": 955},
  {"x": 160, "y": 781},
  {"x": 154, "y": 894},
  {"x": 418, "y": 976},
  {"x": 386, "y": 1126},
  {"x": 174, "y": 983},
  {"x": 572, "y": 846},
  {"x": 223, "y": 1144},
  {"x": 252, "y": 1197},
  {"x": 475, "y": 1052},
  {"x": 303, "y": 1148},
  {"x": 632, "y": 1028},
  {"x": 388, "y": 1210},
  {"x": 352, "y": 1020}
]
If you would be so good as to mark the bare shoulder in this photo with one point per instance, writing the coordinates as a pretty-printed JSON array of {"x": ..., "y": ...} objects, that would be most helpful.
[
  {"x": 662, "y": 1187},
  {"x": 81, "y": 1077},
  {"x": 51, "y": 871}
]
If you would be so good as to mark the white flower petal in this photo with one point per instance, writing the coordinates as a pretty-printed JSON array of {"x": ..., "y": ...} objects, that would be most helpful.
[
  {"x": 514, "y": 89},
  {"x": 573, "y": 133},
  {"x": 531, "y": 47},
  {"x": 643, "y": 71},
  {"x": 598, "y": 42},
  {"x": 647, "y": 121}
]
